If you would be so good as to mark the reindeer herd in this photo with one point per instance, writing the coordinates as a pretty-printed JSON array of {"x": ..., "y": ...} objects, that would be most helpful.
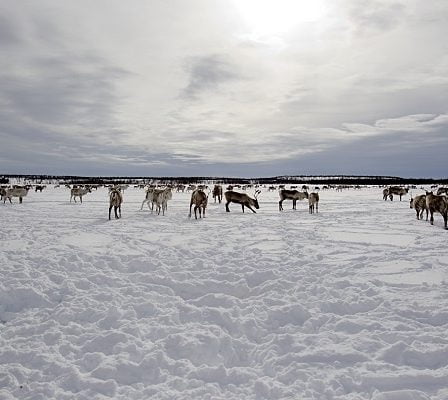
[
  {"x": 157, "y": 198},
  {"x": 428, "y": 202}
]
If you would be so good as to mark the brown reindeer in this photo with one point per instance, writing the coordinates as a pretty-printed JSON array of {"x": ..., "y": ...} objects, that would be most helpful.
[
  {"x": 217, "y": 193},
  {"x": 200, "y": 200},
  {"x": 115, "y": 200},
  {"x": 293, "y": 195},
  {"x": 313, "y": 201},
  {"x": 419, "y": 204},
  {"x": 439, "y": 204},
  {"x": 398, "y": 191},
  {"x": 243, "y": 199}
]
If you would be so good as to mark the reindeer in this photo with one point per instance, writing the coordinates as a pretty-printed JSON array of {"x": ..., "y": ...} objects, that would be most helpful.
[
  {"x": 39, "y": 188},
  {"x": 243, "y": 199},
  {"x": 386, "y": 194},
  {"x": 115, "y": 200},
  {"x": 397, "y": 191},
  {"x": 200, "y": 200},
  {"x": 217, "y": 193},
  {"x": 313, "y": 201},
  {"x": 78, "y": 192},
  {"x": 160, "y": 199},
  {"x": 149, "y": 198},
  {"x": 439, "y": 204},
  {"x": 293, "y": 195},
  {"x": 419, "y": 204},
  {"x": 19, "y": 192}
]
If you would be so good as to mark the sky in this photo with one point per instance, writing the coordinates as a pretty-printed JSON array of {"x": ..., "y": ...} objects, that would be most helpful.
[{"x": 244, "y": 88}]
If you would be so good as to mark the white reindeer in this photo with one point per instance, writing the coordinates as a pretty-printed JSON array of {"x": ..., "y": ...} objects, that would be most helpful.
[{"x": 78, "y": 192}]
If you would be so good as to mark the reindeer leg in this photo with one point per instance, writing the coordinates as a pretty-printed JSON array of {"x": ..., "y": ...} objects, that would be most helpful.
[
  {"x": 242, "y": 206},
  {"x": 250, "y": 208},
  {"x": 280, "y": 207},
  {"x": 227, "y": 206},
  {"x": 110, "y": 208}
]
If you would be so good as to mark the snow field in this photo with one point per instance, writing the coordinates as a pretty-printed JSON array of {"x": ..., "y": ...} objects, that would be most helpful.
[{"x": 349, "y": 303}]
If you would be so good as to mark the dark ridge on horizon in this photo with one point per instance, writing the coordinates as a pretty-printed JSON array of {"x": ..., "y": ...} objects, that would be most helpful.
[{"x": 283, "y": 179}]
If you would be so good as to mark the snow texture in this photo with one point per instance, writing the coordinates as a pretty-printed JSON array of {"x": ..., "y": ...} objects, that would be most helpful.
[{"x": 350, "y": 303}]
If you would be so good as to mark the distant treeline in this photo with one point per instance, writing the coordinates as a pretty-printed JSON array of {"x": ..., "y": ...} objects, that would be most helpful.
[{"x": 297, "y": 179}]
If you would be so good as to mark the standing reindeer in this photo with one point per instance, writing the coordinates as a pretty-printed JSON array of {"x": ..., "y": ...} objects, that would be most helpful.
[
  {"x": 438, "y": 204},
  {"x": 115, "y": 200},
  {"x": 200, "y": 200},
  {"x": 243, "y": 199},
  {"x": 313, "y": 201},
  {"x": 217, "y": 193},
  {"x": 398, "y": 191},
  {"x": 78, "y": 192},
  {"x": 293, "y": 195},
  {"x": 419, "y": 204}
]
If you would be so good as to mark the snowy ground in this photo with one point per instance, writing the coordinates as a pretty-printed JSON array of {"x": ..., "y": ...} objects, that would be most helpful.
[{"x": 350, "y": 303}]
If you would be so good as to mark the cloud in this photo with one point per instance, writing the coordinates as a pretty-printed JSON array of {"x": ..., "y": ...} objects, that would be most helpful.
[
  {"x": 207, "y": 73},
  {"x": 148, "y": 88},
  {"x": 374, "y": 15}
]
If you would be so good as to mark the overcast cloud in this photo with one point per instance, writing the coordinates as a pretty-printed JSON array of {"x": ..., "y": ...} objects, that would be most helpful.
[{"x": 198, "y": 87}]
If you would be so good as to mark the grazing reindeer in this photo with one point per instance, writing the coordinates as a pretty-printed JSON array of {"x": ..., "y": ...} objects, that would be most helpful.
[
  {"x": 313, "y": 201},
  {"x": 439, "y": 204},
  {"x": 217, "y": 193},
  {"x": 39, "y": 188},
  {"x": 243, "y": 199},
  {"x": 442, "y": 190},
  {"x": 200, "y": 200},
  {"x": 419, "y": 204},
  {"x": 293, "y": 195},
  {"x": 78, "y": 192},
  {"x": 115, "y": 200}
]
